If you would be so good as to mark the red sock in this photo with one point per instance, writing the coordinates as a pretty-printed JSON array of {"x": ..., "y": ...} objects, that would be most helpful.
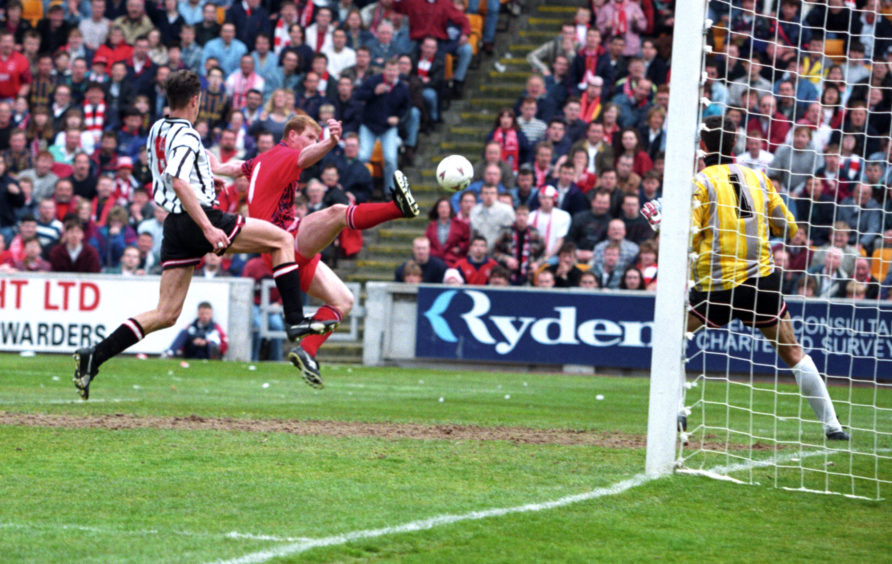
[
  {"x": 312, "y": 343},
  {"x": 364, "y": 216}
]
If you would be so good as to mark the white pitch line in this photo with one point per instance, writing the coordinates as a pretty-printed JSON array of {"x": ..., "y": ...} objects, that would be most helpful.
[
  {"x": 440, "y": 520},
  {"x": 143, "y": 532}
]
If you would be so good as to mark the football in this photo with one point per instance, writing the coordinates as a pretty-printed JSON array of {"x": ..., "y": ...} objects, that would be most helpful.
[{"x": 454, "y": 173}]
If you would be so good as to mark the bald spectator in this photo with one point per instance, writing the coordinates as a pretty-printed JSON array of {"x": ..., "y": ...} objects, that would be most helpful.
[
  {"x": 545, "y": 105},
  {"x": 432, "y": 268},
  {"x": 616, "y": 235}
]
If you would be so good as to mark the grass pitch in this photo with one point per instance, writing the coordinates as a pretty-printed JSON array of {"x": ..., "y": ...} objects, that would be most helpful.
[{"x": 207, "y": 463}]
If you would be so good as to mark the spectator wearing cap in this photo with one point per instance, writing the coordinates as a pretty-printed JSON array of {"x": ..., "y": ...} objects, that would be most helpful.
[
  {"x": 53, "y": 29},
  {"x": 125, "y": 183},
  {"x": 226, "y": 49},
  {"x": 98, "y": 70},
  {"x": 135, "y": 22},
  {"x": 552, "y": 222},
  {"x": 490, "y": 215},
  {"x": 71, "y": 254},
  {"x": 95, "y": 28}
]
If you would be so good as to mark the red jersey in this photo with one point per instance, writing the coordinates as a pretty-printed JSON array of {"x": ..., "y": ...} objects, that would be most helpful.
[
  {"x": 272, "y": 180},
  {"x": 476, "y": 273},
  {"x": 14, "y": 72}
]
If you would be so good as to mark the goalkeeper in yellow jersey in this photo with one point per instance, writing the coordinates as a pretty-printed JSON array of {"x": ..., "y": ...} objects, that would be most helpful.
[{"x": 734, "y": 208}]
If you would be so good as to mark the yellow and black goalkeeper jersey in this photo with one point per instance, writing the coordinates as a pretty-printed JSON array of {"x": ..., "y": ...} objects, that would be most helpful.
[{"x": 733, "y": 208}]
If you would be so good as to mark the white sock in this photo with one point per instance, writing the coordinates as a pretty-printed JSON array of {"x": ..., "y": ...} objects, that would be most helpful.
[{"x": 815, "y": 391}]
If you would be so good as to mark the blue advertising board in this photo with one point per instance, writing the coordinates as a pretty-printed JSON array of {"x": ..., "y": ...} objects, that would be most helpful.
[{"x": 615, "y": 329}]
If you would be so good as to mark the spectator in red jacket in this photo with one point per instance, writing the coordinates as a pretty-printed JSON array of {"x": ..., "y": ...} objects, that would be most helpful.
[
  {"x": 449, "y": 236},
  {"x": 477, "y": 266},
  {"x": 71, "y": 254}
]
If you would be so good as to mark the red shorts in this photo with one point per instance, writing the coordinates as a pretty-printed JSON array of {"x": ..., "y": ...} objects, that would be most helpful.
[{"x": 307, "y": 265}]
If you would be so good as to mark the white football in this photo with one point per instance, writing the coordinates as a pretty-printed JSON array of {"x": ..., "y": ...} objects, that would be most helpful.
[{"x": 454, "y": 173}]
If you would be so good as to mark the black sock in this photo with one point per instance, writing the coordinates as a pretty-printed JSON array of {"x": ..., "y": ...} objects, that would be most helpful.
[
  {"x": 125, "y": 336},
  {"x": 287, "y": 277}
]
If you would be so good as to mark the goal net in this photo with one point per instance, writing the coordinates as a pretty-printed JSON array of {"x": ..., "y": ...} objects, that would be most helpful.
[{"x": 807, "y": 88}]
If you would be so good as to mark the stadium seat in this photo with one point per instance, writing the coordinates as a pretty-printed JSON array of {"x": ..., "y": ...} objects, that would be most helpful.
[
  {"x": 376, "y": 161},
  {"x": 32, "y": 10},
  {"x": 834, "y": 49},
  {"x": 718, "y": 38},
  {"x": 221, "y": 15},
  {"x": 881, "y": 259}
]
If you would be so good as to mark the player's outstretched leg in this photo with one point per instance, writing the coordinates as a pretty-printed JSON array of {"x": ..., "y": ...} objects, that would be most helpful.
[
  {"x": 84, "y": 371},
  {"x": 807, "y": 376}
]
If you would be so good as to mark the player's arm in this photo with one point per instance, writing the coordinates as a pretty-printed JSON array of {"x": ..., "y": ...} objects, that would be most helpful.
[
  {"x": 231, "y": 168},
  {"x": 314, "y": 153},
  {"x": 780, "y": 219}
]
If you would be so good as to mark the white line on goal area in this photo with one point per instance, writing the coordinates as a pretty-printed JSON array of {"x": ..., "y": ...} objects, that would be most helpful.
[
  {"x": 441, "y": 520},
  {"x": 142, "y": 532}
]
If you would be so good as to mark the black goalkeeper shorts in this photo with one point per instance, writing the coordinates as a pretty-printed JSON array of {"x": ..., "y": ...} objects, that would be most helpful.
[{"x": 757, "y": 302}]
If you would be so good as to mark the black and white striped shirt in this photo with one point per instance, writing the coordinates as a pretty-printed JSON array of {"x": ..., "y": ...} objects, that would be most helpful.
[{"x": 175, "y": 151}]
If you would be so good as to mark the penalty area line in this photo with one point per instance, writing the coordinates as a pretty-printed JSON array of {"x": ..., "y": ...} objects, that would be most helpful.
[{"x": 441, "y": 520}]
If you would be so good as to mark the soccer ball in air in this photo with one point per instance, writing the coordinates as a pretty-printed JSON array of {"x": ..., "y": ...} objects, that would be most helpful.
[{"x": 454, "y": 173}]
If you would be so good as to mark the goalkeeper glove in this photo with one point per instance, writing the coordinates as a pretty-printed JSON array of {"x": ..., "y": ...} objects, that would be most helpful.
[{"x": 653, "y": 213}]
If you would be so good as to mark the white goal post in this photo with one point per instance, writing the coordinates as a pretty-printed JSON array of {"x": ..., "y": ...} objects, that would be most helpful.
[{"x": 667, "y": 363}]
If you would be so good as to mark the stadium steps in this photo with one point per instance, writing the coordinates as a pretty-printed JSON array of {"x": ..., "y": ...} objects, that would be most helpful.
[{"x": 465, "y": 127}]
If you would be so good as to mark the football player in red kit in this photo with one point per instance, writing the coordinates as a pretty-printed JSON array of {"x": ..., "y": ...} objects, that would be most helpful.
[{"x": 273, "y": 176}]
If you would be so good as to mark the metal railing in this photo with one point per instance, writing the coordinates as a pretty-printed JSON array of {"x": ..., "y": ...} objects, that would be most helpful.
[{"x": 350, "y": 323}]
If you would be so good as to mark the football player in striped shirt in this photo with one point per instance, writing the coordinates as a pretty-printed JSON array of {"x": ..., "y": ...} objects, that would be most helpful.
[
  {"x": 734, "y": 209},
  {"x": 273, "y": 179},
  {"x": 184, "y": 186}
]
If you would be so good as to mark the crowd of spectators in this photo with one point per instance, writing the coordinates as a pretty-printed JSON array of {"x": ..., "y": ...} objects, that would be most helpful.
[
  {"x": 565, "y": 171},
  {"x": 81, "y": 86}
]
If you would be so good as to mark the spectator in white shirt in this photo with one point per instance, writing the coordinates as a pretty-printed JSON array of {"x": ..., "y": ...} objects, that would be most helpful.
[{"x": 551, "y": 222}]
